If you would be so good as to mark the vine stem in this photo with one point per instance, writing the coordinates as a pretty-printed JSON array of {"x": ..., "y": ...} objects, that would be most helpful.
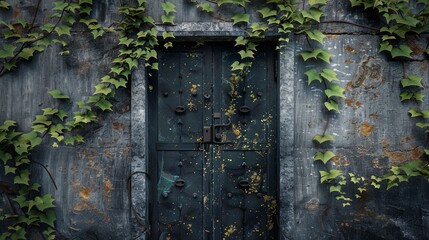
[
  {"x": 2, "y": 72},
  {"x": 328, "y": 114},
  {"x": 50, "y": 175}
]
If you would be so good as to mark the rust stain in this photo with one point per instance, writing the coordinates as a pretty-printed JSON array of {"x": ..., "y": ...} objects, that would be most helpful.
[
  {"x": 118, "y": 126},
  {"x": 85, "y": 193},
  {"x": 331, "y": 36},
  {"x": 108, "y": 186},
  {"x": 401, "y": 155},
  {"x": 108, "y": 154},
  {"x": 312, "y": 204},
  {"x": 347, "y": 61},
  {"x": 349, "y": 102},
  {"x": 374, "y": 115},
  {"x": 358, "y": 104},
  {"x": 349, "y": 49},
  {"x": 416, "y": 153},
  {"x": 417, "y": 50},
  {"x": 83, "y": 206},
  {"x": 366, "y": 129}
]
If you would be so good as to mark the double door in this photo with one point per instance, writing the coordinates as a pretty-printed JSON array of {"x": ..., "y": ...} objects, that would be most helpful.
[{"x": 213, "y": 145}]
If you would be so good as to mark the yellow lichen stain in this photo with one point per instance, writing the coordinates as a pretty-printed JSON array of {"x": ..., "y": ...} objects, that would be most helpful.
[
  {"x": 366, "y": 129},
  {"x": 108, "y": 186},
  {"x": 194, "y": 89},
  {"x": 229, "y": 231},
  {"x": 236, "y": 129},
  {"x": 85, "y": 193}
]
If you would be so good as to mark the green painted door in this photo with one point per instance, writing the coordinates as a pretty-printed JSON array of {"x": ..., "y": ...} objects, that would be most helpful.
[{"x": 213, "y": 145}]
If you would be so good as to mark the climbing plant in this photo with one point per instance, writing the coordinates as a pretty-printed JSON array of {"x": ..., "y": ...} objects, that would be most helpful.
[{"x": 137, "y": 38}]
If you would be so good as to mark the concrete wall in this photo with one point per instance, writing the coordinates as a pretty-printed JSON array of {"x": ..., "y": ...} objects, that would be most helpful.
[{"x": 373, "y": 131}]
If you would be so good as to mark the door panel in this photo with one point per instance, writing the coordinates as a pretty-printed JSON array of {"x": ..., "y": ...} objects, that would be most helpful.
[{"x": 213, "y": 155}]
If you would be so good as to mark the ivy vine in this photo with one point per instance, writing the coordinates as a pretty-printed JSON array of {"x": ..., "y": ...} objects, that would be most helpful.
[{"x": 138, "y": 37}]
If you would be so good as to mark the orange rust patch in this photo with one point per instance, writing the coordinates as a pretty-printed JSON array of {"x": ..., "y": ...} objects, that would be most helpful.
[
  {"x": 347, "y": 61},
  {"x": 349, "y": 102},
  {"x": 331, "y": 36},
  {"x": 349, "y": 49},
  {"x": 108, "y": 186},
  {"x": 108, "y": 154},
  {"x": 366, "y": 129},
  {"x": 118, "y": 126},
  {"x": 415, "y": 153},
  {"x": 349, "y": 86},
  {"x": 358, "y": 104},
  {"x": 83, "y": 206},
  {"x": 401, "y": 155},
  {"x": 85, "y": 193}
]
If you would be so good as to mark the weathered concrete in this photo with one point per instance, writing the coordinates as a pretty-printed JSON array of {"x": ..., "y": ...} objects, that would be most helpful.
[{"x": 372, "y": 132}]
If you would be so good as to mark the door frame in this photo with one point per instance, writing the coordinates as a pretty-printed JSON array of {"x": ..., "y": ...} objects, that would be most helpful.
[{"x": 139, "y": 178}]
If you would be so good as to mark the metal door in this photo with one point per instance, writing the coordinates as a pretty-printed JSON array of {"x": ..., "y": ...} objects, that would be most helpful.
[{"x": 213, "y": 145}]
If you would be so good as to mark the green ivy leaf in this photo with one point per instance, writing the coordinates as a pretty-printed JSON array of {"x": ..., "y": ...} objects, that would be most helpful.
[
  {"x": 238, "y": 2},
  {"x": 21, "y": 200},
  {"x": 168, "y": 19},
  {"x": 7, "y": 50},
  {"x": 22, "y": 178},
  {"x": 7, "y": 124},
  {"x": 49, "y": 111},
  {"x": 329, "y": 74},
  {"x": 315, "y": 2},
  {"x": 44, "y": 202},
  {"x": 267, "y": 12},
  {"x": 418, "y": 96},
  {"x": 332, "y": 105},
  {"x": 316, "y": 35},
  {"x": 241, "y": 41},
  {"x": 125, "y": 41},
  {"x": 166, "y": 35},
  {"x": 48, "y": 218},
  {"x": 101, "y": 88},
  {"x": 385, "y": 46},
  {"x": 415, "y": 113},
  {"x": 104, "y": 105},
  {"x": 61, "y": 114},
  {"x": 422, "y": 125},
  {"x": 313, "y": 75},
  {"x": 235, "y": 66},
  {"x": 412, "y": 81},
  {"x": 246, "y": 54},
  {"x": 406, "y": 96},
  {"x": 325, "y": 138},
  {"x": 206, "y": 7},
  {"x": 5, "y": 156},
  {"x": 313, "y": 13},
  {"x": 168, "y": 7},
  {"x": 329, "y": 176},
  {"x": 8, "y": 169},
  {"x": 240, "y": 17},
  {"x": 334, "y": 90},
  {"x": 401, "y": 51},
  {"x": 412, "y": 168},
  {"x": 335, "y": 189},
  {"x": 4, "y": 4},
  {"x": 83, "y": 105},
  {"x": 63, "y": 30},
  {"x": 41, "y": 119},
  {"x": 324, "y": 156},
  {"x": 325, "y": 56},
  {"x": 26, "y": 53},
  {"x": 57, "y": 94}
]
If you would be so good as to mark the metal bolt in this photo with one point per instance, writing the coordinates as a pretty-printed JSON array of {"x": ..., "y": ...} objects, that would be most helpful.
[
  {"x": 165, "y": 94},
  {"x": 259, "y": 94},
  {"x": 165, "y": 194},
  {"x": 229, "y": 195},
  {"x": 195, "y": 195}
]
